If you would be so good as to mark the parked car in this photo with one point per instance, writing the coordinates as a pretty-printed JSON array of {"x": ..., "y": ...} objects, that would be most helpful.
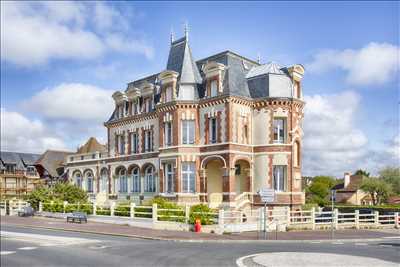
[{"x": 26, "y": 212}]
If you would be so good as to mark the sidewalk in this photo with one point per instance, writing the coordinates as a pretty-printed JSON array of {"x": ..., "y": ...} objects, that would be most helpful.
[{"x": 129, "y": 231}]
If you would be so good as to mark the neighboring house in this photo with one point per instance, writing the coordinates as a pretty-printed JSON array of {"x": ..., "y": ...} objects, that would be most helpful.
[
  {"x": 215, "y": 130},
  {"x": 18, "y": 175},
  {"x": 50, "y": 166},
  {"x": 348, "y": 192},
  {"x": 91, "y": 151},
  {"x": 393, "y": 200}
]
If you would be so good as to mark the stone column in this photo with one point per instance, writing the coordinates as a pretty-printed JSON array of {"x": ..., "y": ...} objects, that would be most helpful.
[{"x": 203, "y": 185}]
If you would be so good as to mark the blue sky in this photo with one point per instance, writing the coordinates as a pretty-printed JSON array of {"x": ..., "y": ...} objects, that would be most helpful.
[{"x": 60, "y": 63}]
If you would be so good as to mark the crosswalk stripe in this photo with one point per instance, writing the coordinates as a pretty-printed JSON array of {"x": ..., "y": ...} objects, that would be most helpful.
[
  {"x": 6, "y": 252},
  {"x": 27, "y": 248},
  {"x": 360, "y": 244}
]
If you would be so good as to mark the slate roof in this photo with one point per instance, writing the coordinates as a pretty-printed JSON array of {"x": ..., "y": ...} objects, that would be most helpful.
[
  {"x": 21, "y": 160},
  {"x": 51, "y": 160},
  {"x": 92, "y": 145}
]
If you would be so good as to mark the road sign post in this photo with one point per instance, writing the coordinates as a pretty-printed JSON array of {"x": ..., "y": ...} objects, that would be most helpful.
[{"x": 267, "y": 196}]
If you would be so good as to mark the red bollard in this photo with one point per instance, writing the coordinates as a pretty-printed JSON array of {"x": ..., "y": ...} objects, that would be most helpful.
[{"x": 197, "y": 226}]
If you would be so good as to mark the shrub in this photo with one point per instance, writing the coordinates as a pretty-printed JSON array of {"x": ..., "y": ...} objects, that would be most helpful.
[
  {"x": 174, "y": 213},
  {"x": 103, "y": 211},
  {"x": 202, "y": 212},
  {"x": 122, "y": 210}
]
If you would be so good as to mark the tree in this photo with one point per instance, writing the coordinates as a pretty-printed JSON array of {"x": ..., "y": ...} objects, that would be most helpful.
[
  {"x": 362, "y": 172},
  {"x": 391, "y": 175},
  {"x": 318, "y": 191},
  {"x": 378, "y": 189}
]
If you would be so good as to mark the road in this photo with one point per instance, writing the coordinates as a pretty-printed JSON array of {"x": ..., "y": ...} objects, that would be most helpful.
[{"x": 40, "y": 247}]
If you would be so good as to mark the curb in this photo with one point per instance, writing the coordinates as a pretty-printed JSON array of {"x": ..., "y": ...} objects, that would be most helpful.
[{"x": 228, "y": 241}]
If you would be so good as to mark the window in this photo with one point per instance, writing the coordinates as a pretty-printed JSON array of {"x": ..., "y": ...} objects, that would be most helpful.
[
  {"x": 89, "y": 180},
  {"x": 297, "y": 92},
  {"x": 121, "y": 144},
  {"x": 150, "y": 182},
  {"x": 188, "y": 177},
  {"x": 148, "y": 141},
  {"x": 237, "y": 169},
  {"x": 82, "y": 157},
  {"x": 126, "y": 105},
  {"x": 168, "y": 133},
  {"x": 213, "y": 88},
  {"x": 123, "y": 181},
  {"x": 147, "y": 105},
  {"x": 78, "y": 180},
  {"x": 135, "y": 143},
  {"x": 188, "y": 131},
  {"x": 71, "y": 159},
  {"x": 135, "y": 180},
  {"x": 104, "y": 180},
  {"x": 120, "y": 111},
  {"x": 213, "y": 130},
  {"x": 279, "y": 177},
  {"x": 31, "y": 170},
  {"x": 279, "y": 131},
  {"x": 10, "y": 168},
  {"x": 169, "y": 177},
  {"x": 135, "y": 107},
  {"x": 168, "y": 94},
  {"x": 245, "y": 134},
  {"x": 93, "y": 156}
]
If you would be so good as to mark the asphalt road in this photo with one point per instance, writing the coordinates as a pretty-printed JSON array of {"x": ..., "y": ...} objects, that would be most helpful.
[{"x": 34, "y": 247}]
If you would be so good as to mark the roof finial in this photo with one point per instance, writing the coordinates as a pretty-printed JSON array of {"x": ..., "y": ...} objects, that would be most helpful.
[
  {"x": 258, "y": 58},
  {"x": 172, "y": 35},
  {"x": 186, "y": 29}
]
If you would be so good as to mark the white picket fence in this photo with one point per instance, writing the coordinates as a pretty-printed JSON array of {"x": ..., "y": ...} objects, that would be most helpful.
[{"x": 11, "y": 207}]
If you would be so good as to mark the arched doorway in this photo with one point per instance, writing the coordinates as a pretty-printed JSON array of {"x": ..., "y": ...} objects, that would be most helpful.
[
  {"x": 242, "y": 176},
  {"x": 214, "y": 169}
]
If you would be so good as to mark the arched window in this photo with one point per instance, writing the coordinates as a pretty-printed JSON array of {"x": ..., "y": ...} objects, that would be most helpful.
[
  {"x": 123, "y": 181},
  {"x": 150, "y": 182},
  {"x": 135, "y": 180},
  {"x": 103, "y": 180},
  {"x": 78, "y": 180},
  {"x": 89, "y": 182}
]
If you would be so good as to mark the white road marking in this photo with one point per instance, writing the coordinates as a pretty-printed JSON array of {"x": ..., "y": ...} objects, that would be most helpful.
[
  {"x": 386, "y": 246},
  {"x": 2, "y": 253},
  {"x": 392, "y": 237},
  {"x": 27, "y": 248},
  {"x": 315, "y": 242},
  {"x": 337, "y": 243},
  {"x": 360, "y": 244},
  {"x": 46, "y": 240}
]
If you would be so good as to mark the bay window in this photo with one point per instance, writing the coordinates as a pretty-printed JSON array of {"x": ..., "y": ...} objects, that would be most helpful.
[
  {"x": 188, "y": 177},
  {"x": 188, "y": 131},
  {"x": 280, "y": 173}
]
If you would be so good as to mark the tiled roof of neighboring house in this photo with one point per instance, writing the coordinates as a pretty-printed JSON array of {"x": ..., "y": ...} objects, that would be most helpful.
[
  {"x": 92, "y": 145},
  {"x": 393, "y": 200},
  {"x": 51, "y": 160},
  {"x": 353, "y": 186},
  {"x": 338, "y": 186},
  {"x": 21, "y": 160}
]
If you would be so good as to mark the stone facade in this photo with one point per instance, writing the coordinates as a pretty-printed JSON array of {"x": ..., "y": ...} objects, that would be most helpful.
[{"x": 210, "y": 130}]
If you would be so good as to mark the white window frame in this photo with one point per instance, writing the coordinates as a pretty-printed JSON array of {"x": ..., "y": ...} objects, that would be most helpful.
[
  {"x": 148, "y": 141},
  {"x": 169, "y": 178},
  {"x": 188, "y": 177},
  {"x": 168, "y": 133},
  {"x": 89, "y": 177},
  {"x": 277, "y": 128},
  {"x": 123, "y": 182},
  {"x": 213, "y": 88},
  {"x": 280, "y": 178},
  {"x": 188, "y": 127},
  {"x": 135, "y": 188},
  {"x": 104, "y": 180},
  {"x": 134, "y": 143},
  {"x": 150, "y": 180},
  {"x": 213, "y": 131},
  {"x": 78, "y": 180}
]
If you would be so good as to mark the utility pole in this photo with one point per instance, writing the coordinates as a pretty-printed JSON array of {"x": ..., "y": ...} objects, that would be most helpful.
[{"x": 333, "y": 195}]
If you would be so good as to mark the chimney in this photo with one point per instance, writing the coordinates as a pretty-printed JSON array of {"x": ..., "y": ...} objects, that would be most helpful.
[{"x": 346, "y": 179}]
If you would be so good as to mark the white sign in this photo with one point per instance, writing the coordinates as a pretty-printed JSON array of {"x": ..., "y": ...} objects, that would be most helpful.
[{"x": 267, "y": 195}]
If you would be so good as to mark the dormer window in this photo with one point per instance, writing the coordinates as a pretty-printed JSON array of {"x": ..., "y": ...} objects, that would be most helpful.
[
  {"x": 168, "y": 94},
  {"x": 147, "y": 105},
  {"x": 120, "y": 111},
  {"x": 126, "y": 110},
  {"x": 213, "y": 88},
  {"x": 135, "y": 107}
]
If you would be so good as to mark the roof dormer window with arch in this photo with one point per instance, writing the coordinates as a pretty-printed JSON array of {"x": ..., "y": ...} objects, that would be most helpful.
[
  {"x": 214, "y": 76},
  {"x": 168, "y": 85}
]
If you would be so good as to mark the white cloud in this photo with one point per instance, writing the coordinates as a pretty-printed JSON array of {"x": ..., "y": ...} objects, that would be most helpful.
[
  {"x": 72, "y": 101},
  {"x": 18, "y": 133},
  {"x": 375, "y": 63},
  {"x": 33, "y": 33},
  {"x": 332, "y": 143},
  {"x": 393, "y": 148}
]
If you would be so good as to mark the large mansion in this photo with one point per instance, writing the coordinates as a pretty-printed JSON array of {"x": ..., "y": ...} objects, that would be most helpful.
[{"x": 214, "y": 130}]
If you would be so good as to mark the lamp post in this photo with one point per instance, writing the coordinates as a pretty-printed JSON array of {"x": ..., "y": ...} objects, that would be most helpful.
[{"x": 333, "y": 196}]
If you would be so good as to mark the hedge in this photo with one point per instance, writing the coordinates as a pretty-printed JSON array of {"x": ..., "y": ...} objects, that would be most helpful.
[
  {"x": 202, "y": 212},
  {"x": 352, "y": 208}
]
